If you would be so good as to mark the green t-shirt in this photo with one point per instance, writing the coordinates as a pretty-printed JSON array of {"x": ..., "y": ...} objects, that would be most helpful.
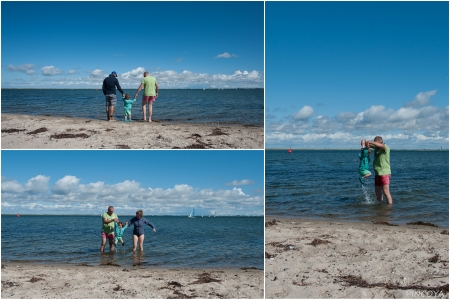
[
  {"x": 149, "y": 85},
  {"x": 108, "y": 228},
  {"x": 381, "y": 162}
]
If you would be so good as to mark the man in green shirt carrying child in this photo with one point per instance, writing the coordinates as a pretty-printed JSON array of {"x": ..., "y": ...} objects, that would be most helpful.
[{"x": 382, "y": 168}]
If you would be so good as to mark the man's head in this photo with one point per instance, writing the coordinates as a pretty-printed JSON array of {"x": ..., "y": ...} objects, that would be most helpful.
[
  {"x": 146, "y": 74},
  {"x": 378, "y": 139},
  {"x": 110, "y": 210},
  {"x": 114, "y": 73}
]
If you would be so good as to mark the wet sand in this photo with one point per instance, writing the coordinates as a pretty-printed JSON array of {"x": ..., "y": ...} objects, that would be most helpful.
[
  {"x": 31, "y": 281},
  {"x": 329, "y": 259},
  {"x": 49, "y": 132}
]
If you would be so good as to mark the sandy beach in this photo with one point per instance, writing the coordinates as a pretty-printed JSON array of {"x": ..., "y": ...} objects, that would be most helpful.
[
  {"x": 329, "y": 259},
  {"x": 30, "y": 281},
  {"x": 49, "y": 132}
]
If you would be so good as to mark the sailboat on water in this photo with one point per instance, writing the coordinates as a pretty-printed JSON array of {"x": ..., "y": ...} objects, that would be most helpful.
[{"x": 192, "y": 215}]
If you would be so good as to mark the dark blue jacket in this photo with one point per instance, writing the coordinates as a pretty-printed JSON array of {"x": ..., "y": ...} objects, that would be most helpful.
[
  {"x": 109, "y": 85},
  {"x": 139, "y": 225}
]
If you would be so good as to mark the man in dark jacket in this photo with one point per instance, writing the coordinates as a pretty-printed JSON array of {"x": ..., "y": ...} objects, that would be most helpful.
[{"x": 109, "y": 90}]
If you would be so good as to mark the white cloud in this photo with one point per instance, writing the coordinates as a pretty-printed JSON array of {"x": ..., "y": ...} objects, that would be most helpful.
[
  {"x": 11, "y": 186},
  {"x": 67, "y": 195},
  {"x": 97, "y": 73},
  {"x": 412, "y": 126},
  {"x": 25, "y": 68},
  {"x": 304, "y": 113},
  {"x": 71, "y": 72},
  {"x": 167, "y": 79},
  {"x": 421, "y": 99},
  {"x": 226, "y": 55},
  {"x": 241, "y": 182},
  {"x": 50, "y": 71},
  {"x": 38, "y": 184},
  {"x": 65, "y": 185},
  {"x": 134, "y": 74}
]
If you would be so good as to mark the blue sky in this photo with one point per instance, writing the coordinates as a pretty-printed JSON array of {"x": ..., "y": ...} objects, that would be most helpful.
[
  {"x": 229, "y": 182},
  {"x": 337, "y": 72},
  {"x": 183, "y": 44}
]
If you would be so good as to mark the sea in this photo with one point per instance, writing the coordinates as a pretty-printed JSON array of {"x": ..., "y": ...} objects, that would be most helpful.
[
  {"x": 181, "y": 242},
  {"x": 233, "y": 106},
  {"x": 324, "y": 185}
]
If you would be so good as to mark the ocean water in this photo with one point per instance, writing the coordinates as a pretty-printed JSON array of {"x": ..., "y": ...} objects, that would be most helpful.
[
  {"x": 323, "y": 184},
  {"x": 224, "y": 242},
  {"x": 242, "y": 106}
]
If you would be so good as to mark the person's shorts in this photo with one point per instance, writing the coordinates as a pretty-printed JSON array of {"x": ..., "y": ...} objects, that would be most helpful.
[
  {"x": 127, "y": 112},
  {"x": 109, "y": 236},
  {"x": 364, "y": 173},
  {"x": 382, "y": 180},
  {"x": 148, "y": 99},
  {"x": 117, "y": 238},
  {"x": 111, "y": 100}
]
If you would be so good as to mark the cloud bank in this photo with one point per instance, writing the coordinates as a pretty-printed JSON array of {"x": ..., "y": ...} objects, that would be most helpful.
[
  {"x": 416, "y": 125},
  {"x": 69, "y": 196},
  {"x": 167, "y": 79}
]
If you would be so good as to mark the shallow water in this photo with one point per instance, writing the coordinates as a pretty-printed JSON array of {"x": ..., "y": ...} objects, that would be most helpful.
[
  {"x": 323, "y": 184},
  {"x": 225, "y": 242},
  {"x": 243, "y": 106}
]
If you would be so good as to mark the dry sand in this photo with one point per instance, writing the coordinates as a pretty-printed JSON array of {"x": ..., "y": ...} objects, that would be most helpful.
[
  {"x": 28, "y": 281},
  {"x": 319, "y": 259},
  {"x": 47, "y": 132}
]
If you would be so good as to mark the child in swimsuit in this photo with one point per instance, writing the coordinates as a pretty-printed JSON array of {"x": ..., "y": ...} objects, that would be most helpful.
[
  {"x": 364, "y": 160},
  {"x": 127, "y": 104},
  {"x": 118, "y": 232}
]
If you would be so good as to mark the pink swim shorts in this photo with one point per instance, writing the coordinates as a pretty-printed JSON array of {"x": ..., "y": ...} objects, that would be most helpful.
[
  {"x": 110, "y": 236},
  {"x": 382, "y": 180},
  {"x": 148, "y": 98}
]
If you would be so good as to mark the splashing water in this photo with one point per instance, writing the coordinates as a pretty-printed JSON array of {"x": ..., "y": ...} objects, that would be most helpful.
[{"x": 367, "y": 197}]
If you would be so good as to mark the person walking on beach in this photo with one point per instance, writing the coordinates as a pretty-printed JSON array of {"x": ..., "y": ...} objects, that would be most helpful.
[
  {"x": 150, "y": 94},
  {"x": 108, "y": 219},
  {"x": 109, "y": 90},
  {"x": 138, "y": 232},
  {"x": 382, "y": 168}
]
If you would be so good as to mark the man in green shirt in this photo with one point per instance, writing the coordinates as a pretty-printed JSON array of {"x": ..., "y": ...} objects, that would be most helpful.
[
  {"x": 108, "y": 219},
  {"x": 150, "y": 94},
  {"x": 382, "y": 168}
]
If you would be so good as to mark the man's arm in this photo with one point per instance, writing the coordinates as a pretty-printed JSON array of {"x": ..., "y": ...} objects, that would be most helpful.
[
  {"x": 119, "y": 88},
  {"x": 139, "y": 89},
  {"x": 157, "y": 89},
  {"x": 376, "y": 145}
]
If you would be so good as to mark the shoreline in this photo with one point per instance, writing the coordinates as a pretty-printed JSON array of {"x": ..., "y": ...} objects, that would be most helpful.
[
  {"x": 21, "y": 131},
  {"x": 353, "y": 221},
  {"x": 336, "y": 259},
  {"x": 31, "y": 281}
]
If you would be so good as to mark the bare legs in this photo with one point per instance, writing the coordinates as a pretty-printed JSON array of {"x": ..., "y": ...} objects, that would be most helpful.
[
  {"x": 380, "y": 190},
  {"x": 109, "y": 113},
  {"x": 111, "y": 245},
  {"x": 139, "y": 239},
  {"x": 150, "y": 110}
]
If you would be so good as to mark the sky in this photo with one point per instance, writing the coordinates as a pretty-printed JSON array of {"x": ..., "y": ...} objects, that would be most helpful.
[
  {"x": 183, "y": 44},
  {"x": 339, "y": 72},
  {"x": 161, "y": 182}
]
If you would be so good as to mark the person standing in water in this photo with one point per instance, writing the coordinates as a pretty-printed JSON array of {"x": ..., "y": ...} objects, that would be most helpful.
[
  {"x": 150, "y": 94},
  {"x": 138, "y": 232},
  {"x": 382, "y": 168}
]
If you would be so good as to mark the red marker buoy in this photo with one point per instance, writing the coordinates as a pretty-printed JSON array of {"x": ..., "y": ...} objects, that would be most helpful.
[
  {"x": 18, "y": 215},
  {"x": 289, "y": 150}
]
